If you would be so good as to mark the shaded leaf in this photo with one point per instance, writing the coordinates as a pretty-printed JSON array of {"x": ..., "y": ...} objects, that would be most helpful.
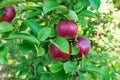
[
  {"x": 1, "y": 44},
  {"x": 61, "y": 75},
  {"x": 26, "y": 45},
  {"x": 40, "y": 70},
  {"x": 45, "y": 76},
  {"x": 1, "y": 12}
]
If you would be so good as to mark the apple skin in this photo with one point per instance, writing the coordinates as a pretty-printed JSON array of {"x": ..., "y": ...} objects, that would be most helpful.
[
  {"x": 8, "y": 15},
  {"x": 56, "y": 54},
  {"x": 67, "y": 29},
  {"x": 84, "y": 45}
]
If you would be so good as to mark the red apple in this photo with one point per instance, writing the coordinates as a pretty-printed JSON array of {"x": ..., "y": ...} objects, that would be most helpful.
[
  {"x": 8, "y": 15},
  {"x": 67, "y": 29},
  {"x": 100, "y": 33},
  {"x": 56, "y": 54},
  {"x": 84, "y": 45}
]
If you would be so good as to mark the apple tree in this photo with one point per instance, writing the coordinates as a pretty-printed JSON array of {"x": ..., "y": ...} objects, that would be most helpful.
[{"x": 55, "y": 37}]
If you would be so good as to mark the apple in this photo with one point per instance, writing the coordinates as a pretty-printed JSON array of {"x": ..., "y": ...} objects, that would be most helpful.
[
  {"x": 100, "y": 33},
  {"x": 8, "y": 15},
  {"x": 67, "y": 29},
  {"x": 83, "y": 44},
  {"x": 56, "y": 54}
]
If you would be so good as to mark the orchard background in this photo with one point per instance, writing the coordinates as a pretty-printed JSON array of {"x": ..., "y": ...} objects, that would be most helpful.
[{"x": 24, "y": 41}]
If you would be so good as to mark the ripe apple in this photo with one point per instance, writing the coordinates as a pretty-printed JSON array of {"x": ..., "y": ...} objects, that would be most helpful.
[
  {"x": 56, "y": 54},
  {"x": 67, "y": 29},
  {"x": 8, "y": 15},
  {"x": 100, "y": 33},
  {"x": 83, "y": 44}
]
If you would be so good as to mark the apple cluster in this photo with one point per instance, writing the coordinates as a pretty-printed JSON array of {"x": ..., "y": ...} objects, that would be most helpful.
[
  {"x": 68, "y": 29},
  {"x": 8, "y": 14}
]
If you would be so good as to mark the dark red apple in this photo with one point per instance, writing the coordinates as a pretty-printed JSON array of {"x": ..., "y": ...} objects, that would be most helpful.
[
  {"x": 67, "y": 29},
  {"x": 84, "y": 45},
  {"x": 56, "y": 54},
  {"x": 8, "y": 15}
]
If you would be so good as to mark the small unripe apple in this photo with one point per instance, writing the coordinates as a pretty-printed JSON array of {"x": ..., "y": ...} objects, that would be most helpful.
[
  {"x": 8, "y": 15},
  {"x": 56, "y": 54},
  {"x": 67, "y": 29},
  {"x": 83, "y": 44}
]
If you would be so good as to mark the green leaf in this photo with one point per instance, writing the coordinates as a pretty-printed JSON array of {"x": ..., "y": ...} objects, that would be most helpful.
[
  {"x": 62, "y": 44},
  {"x": 95, "y": 4},
  {"x": 10, "y": 2},
  {"x": 53, "y": 32},
  {"x": 3, "y": 55},
  {"x": 69, "y": 66},
  {"x": 73, "y": 15},
  {"x": 87, "y": 13},
  {"x": 56, "y": 67},
  {"x": 30, "y": 76},
  {"x": 61, "y": 75},
  {"x": 34, "y": 14},
  {"x": 1, "y": 12},
  {"x": 5, "y": 27},
  {"x": 23, "y": 36},
  {"x": 75, "y": 50},
  {"x": 35, "y": 27},
  {"x": 26, "y": 45},
  {"x": 44, "y": 33},
  {"x": 48, "y": 6},
  {"x": 84, "y": 60},
  {"x": 83, "y": 21},
  {"x": 91, "y": 68},
  {"x": 79, "y": 6},
  {"x": 41, "y": 51},
  {"x": 40, "y": 70},
  {"x": 1, "y": 44},
  {"x": 5, "y": 3},
  {"x": 61, "y": 8},
  {"x": 45, "y": 76},
  {"x": 105, "y": 73}
]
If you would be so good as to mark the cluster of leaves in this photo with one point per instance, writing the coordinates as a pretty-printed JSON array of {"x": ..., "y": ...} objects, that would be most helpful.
[{"x": 34, "y": 29}]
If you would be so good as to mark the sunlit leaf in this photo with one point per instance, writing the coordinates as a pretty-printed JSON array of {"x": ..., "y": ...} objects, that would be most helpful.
[
  {"x": 23, "y": 36},
  {"x": 62, "y": 44},
  {"x": 5, "y": 27},
  {"x": 56, "y": 67}
]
